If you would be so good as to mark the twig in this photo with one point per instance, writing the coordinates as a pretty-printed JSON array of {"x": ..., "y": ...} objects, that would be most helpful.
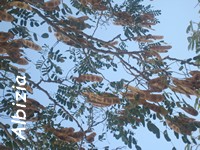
[
  {"x": 55, "y": 102},
  {"x": 9, "y": 135}
]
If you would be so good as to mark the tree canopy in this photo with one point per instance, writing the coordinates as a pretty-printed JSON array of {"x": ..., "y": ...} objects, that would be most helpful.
[{"x": 69, "y": 68}]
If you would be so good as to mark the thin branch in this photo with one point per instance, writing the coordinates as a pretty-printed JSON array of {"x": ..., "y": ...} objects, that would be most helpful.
[
  {"x": 9, "y": 135},
  {"x": 182, "y": 61},
  {"x": 56, "y": 103}
]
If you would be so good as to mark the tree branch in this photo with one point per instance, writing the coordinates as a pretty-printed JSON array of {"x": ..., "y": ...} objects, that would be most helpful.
[{"x": 9, "y": 135}]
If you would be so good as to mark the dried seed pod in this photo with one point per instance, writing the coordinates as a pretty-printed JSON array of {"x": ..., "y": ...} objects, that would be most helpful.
[
  {"x": 30, "y": 101},
  {"x": 83, "y": 18},
  {"x": 88, "y": 77},
  {"x": 31, "y": 45},
  {"x": 157, "y": 109},
  {"x": 51, "y": 5},
  {"x": 68, "y": 131},
  {"x": 195, "y": 73},
  {"x": 78, "y": 135},
  {"x": 134, "y": 98},
  {"x": 187, "y": 86},
  {"x": 148, "y": 54},
  {"x": 147, "y": 38},
  {"x": 66, "y": 134},
  {"x": 173, "y": 126},
  {"x": 90, "y": 138},
  {"x": 101, "y": 100},
  {"x": 161, "y": 49},
  {"x": 190, "y": 110},
  {"x": 61, "y": 37},
  {"x": 4, "y": 16},
  {"x": 158, "y": 84},
  {"x": 21, "y": 61},
  {"x": 21, "y": 5},
  {"x": 147, "y": 16},
  {"x": 79, "y": 19},
  {"x": 5, "y": 36},
  {"x": 154, "y": 97}
]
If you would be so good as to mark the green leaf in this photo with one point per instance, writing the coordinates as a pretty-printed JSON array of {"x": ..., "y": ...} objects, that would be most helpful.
[
  {"x": 45, "y": 35},
  {"x": 37, "y": 24},
  {"x": 166, "y": 136},
  {"x": 173, "y": 148},
  {"x": 15, "y": 125},
  {"x": 138, "y": 147},
  {"x": 153, "y": 129},
  {"x": 31, "y": 24},
  {"x": 194, "y": 141},
  {"x": 185, "y": 139},
  {"x": 35, "y": 36},
  {"x": 181, "y": 68},
  {"x": 177, "y": 135},
  {"x": 134, "y": 141},
  {"x": 1, "y": 86}
]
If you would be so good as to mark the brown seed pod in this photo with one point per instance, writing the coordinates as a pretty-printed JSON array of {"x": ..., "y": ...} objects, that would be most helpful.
[
  {"x": 88, "y": 77},
  {"x": 4, "y": 16},
  {"x": 21, "y": 61},
  {"x": 190, "y": 110},
  {"x": 68, "y": 131},
  {"x": 160, "y": 49},
  {"x": 173, "y": 126},
  {"x": 158, "y": 84},
  {"x": 101, "y": 100},
  {"x": 21, "y": 5},
  {"x": 61, "y": 37},
  {"x": 90, "y": 138},
  {"x": 154, "y": 97},
  {"x": 31, "y": 45},
  {"x": 158, "y": 109},
  {"x": 51, "y": 5},
  {"x": 5, "y": 36}
]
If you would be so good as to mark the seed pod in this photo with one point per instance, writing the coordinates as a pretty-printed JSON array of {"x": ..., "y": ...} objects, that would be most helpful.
[
  {"x": 190, "y": 110},
  {"x": 134, "y": 98},
  {"x": 51, "y": 5},
  {"x": 5, "y": 36},
  {"x": 88, "y": 77},
  {"x": 21, "y": 61},
  {"x": 173, "y": 126},
  {"x": 154, "y": 97},
  {"x": 61, "y": 37},
  {"x": 158, "y": 84},
  {"x": 30, "y": 101},
  {"x": 78, "y": 135},
  {"x": 161, "y": 49},
  {"x": 101, "y": 100},
  {"x": 67, "y": 131},
  {"x": 4, "y": 16},
  {"x": 21, "y": 5},
  {"x": 31, "y": 45},
  {"x": 157, "y": 109},
  {"x": 90, "y": 138}
]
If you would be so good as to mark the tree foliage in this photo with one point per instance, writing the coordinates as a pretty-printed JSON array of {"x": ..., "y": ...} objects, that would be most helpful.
[{"x": 76, "y": 68}]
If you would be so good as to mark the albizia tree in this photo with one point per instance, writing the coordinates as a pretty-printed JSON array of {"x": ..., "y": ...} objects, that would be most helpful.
[{"x": 74, "y": 74}]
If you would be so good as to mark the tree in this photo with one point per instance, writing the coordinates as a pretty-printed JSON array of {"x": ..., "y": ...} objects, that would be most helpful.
[{"x": 86, "y": 96}]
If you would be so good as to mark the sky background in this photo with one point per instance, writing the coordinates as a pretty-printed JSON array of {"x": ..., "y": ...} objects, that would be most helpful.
[{"x": 175, "y": 17}]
